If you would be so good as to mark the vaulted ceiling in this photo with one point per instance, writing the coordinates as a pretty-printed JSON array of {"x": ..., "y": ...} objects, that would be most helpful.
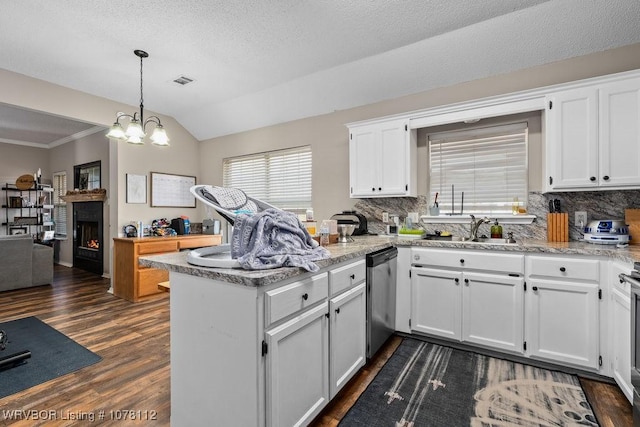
[{"x": 255, "y": 63}]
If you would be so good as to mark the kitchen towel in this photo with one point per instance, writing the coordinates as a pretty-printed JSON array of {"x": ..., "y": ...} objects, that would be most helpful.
[{"x": 274, "y": 238}]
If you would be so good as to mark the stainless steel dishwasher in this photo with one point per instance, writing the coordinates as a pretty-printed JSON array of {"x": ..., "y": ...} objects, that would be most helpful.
[{"x": 381, "y": 297}]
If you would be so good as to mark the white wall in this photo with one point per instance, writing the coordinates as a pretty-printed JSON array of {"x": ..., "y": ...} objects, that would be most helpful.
[
  {"x": 121, "y": 158},
  {"x": 328, "y": 137}
]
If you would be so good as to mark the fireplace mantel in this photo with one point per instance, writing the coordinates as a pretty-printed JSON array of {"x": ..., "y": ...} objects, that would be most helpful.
[{"x": 85, "y": 196}]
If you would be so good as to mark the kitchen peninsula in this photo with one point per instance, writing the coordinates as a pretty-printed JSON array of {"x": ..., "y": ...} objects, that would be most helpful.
[{"x": 260, "y": 348}]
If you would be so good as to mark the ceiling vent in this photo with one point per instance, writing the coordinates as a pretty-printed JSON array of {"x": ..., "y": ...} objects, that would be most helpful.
[{"x": 182, "y": 80}]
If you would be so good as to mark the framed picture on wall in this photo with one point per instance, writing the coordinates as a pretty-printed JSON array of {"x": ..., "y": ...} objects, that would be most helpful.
[
  {"x": 171, "y": 190},
  {"x": 136, "y": 188}
]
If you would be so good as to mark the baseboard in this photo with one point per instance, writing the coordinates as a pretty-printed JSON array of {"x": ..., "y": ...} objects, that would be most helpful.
[{"x": 65, "y": 264}]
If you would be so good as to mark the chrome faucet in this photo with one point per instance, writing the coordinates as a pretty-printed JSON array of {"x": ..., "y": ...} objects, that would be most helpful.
[{"x": 475, "y": 224}]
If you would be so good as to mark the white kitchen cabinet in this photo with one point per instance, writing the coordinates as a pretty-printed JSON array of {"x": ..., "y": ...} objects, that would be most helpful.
[
  {"x": 492, "y": 307},
  {"x": 619, "y": 134},
  {"x": 382, "y": 159},
  {"x": 436, "y": 302},
  {"x": 268, "y": 355},
  {"x": 297, "y": 368},
  {"x": 469, "y": 296},
  {"x": 562, "y": 308},
  {"x": 347, "y": 346},
  {"x": 593, "y": 137},
  {"x": 620, "y": 329}
]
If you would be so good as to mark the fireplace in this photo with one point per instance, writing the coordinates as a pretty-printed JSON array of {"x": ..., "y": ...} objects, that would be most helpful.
[{"x": 88, "y": 243}]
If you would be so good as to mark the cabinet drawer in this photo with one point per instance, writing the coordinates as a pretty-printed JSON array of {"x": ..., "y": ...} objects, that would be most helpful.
[
  {"x": 343, "y": 278},
  {"x": 159, "y": 246},
  {"x": 287, "y": 300},
  {"x": 148, "y": 279},
  {"x": 199, "y": 242},
  {"x": 476, "y": 260},
  {"x": 564, "y": 268}
]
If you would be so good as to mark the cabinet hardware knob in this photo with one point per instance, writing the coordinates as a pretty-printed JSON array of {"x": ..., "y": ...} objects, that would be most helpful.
[
  {"x": 461, "y": 260},
  {"x": 563, "y": 269},
  {"x": 535, "y": 288},
  {"x": 373, "y": 189},
  {"x": 593, "y": 178},
  {"x": 606, "y": 177},
  {"x": 379, "y": 188},
  {"x": 326, "y": 315},
  {"x": 338, "y": 310},
  {"x": 305, "y": 297},
  {"x": 353, "y": 276},
  {"x": 456, "y": 280},
  {"x": 621, "y": 281},
  {"x": 466, "y": 281}
]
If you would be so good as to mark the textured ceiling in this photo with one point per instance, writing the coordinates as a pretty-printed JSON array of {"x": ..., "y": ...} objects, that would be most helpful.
[{"x": 258, "y": 62}]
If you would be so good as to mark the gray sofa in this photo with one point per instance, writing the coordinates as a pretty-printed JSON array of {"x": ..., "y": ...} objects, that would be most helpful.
[{"x": 24, "y": 263}]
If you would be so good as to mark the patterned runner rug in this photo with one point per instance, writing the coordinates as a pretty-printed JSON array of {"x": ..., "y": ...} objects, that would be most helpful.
[{"x": 425, "y": 384}]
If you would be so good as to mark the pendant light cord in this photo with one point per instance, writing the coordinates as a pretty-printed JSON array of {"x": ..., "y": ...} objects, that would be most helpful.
[{"x": 141, "y": 97}]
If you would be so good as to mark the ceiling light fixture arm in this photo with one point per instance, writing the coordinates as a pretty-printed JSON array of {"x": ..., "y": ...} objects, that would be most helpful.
[{"x": 136, "y": 130}]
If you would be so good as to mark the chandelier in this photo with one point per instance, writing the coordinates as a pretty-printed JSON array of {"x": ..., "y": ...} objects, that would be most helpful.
[{"x": 136, "y": 130}]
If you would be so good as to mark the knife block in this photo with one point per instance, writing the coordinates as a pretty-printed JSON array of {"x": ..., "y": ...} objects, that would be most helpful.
[{"x": 558, "y": 227}]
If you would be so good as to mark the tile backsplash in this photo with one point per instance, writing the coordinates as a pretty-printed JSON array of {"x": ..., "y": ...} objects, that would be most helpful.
[{"x": 597, "y": 204}]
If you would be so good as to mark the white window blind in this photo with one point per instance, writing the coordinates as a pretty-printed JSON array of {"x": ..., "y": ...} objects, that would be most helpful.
[
  {"x": 488, "y": 165},
  {"x": 281, "y": 178},
  {"x": 59, "y": 205}
]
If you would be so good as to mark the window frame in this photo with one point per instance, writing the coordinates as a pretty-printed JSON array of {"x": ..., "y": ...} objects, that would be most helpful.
[
  {"x": 266, "y": 188},
  {"x": 474, "y": 136},
  {"x": 59, "y": 205}
]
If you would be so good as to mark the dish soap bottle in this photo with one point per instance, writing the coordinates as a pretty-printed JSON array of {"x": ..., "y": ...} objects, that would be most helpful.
[{"x": 496, "y": 231}]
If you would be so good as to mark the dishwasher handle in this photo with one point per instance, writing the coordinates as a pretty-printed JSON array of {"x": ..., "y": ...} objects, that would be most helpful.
[{"x": 380, "y": 257}]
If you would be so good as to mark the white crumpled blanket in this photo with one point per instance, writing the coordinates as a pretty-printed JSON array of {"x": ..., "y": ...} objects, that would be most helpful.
[{"x": 274, "y": 238}]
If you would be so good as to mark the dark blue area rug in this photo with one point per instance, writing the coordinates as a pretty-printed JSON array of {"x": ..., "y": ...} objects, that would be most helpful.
[
  {"x": 425, "y": 384},
  {"x": 53, "y": 354}
]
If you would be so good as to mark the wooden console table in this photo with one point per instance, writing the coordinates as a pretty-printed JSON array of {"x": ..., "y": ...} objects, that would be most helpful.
[{"x": 132, "y": 281}]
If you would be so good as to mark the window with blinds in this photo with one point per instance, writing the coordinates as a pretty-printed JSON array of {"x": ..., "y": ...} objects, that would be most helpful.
[
  {"x": 480, "y": 171},
  {"x": 59, "y": 205},
  {"x": 281, "y": 178}
]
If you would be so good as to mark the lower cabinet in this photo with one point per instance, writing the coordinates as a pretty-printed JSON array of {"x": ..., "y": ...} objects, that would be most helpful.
[
  {"x": 562, "y": 310},
  {"x": 347, "y": 332},
  {"x": 312, "y": 355},
  {"x": 562, "y": 322},
  {"x": 620, "y": 329},
  {"x": 492, "y": 307},
  {"x": 297, "y": 368},
  {"x": 435, "y": 302},
  {"x": 472, "y": 299}
]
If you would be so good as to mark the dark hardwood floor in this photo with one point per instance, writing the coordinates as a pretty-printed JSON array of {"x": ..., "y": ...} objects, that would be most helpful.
[{"x": 133, "y": 340}]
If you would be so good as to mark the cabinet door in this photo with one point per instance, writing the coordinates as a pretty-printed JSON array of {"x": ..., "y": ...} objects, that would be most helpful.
[
  {"x": 562, "y": 322},
  {"x": 619, "y": 135},
  {"x": 394, "y": 152},
  {"x": 363, "y": 161},
  {"x": 492, "y": 307},
  {"x": 436, "y": 302},
  {"x": 572, "y": 139},
  {"x": 347, "y": 332},
  {"x": 621, "y": 341},
  {"x": 297, "y": 368}
]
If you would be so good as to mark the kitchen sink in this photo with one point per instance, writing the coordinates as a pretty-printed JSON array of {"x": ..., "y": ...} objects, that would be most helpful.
[{"x": 479, "y": 240}]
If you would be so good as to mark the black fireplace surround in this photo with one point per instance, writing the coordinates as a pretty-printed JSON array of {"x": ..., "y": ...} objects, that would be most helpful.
[{"x": 88, "y": 242}]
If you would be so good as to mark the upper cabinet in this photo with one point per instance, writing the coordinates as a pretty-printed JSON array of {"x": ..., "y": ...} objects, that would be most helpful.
[
  {"x": 593, "y": 137},
  {"x": 382, "y": 159}
]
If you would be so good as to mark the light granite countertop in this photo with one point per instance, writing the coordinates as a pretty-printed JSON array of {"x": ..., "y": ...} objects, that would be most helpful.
[{"x": 361, "y": 245}]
